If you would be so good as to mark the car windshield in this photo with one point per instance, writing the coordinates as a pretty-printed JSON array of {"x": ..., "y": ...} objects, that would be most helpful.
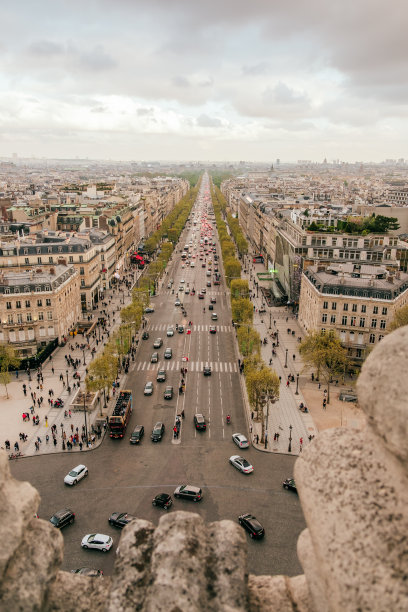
[
  {"x": 73, "y": 473},
  {"x": 245, "y": 463},
  {"x": 54, "y": 520}
]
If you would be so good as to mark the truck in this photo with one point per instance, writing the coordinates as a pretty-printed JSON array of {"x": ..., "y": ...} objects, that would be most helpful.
[{"x": 121, "y": 415}]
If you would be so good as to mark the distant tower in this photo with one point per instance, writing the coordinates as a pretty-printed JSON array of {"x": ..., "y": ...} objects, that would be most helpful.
[{"x": 277, "y": 162}]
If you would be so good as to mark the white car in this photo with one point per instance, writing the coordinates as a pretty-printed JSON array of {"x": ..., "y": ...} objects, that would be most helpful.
[
  {"x": 79, "y": 472},
  {"x": 148, "y": 390},
  {"x": 99, "y": 541},
  {"x": 177, "y": 303},
  {"x": 170, "y": 331},
  {"x": 182, "y": 280},
  {"x": 241, "y": 464},
  {"x": 240, "y": 440}
]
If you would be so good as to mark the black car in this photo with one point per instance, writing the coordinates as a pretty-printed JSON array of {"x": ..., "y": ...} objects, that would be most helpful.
[
  {"x": 211, "y": 307},
  {"x": 137, "y": 434},
  {"x": 181, "y": 329},
  {"x": 163, "y": 500},
  {"x": 158, "y": 431},
  {"x": 168, "y": 393},
  {"x": 120, "y": 519},
  {"x": 252, "y": 525},
  {"x": 199, "y": 422},
  {"x": 161, "y": 376},
  {"x": 289, "y": 483},
  {"x": 145, "y": 335},
  {"x": 207, "y": 370},
  {"x": 189, "y": 492},
  {"x": 88, "y": 571},
  {"x": 62, "y": 518}
]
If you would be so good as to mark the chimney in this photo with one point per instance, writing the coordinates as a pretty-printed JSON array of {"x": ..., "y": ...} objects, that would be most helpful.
[{"x": 52, "y": 271}]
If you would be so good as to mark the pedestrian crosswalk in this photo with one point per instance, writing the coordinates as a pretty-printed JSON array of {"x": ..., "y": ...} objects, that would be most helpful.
[
  {"x": 162, "y": 327},
  {"x": 192, "y": 366}
]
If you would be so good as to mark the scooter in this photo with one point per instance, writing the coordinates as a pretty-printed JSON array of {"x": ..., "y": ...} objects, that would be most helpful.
[{"x": 228, "y": 419}]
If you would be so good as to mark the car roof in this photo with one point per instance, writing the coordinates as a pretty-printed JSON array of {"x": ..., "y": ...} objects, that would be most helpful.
[
  {"x": 78, "y": 468},
  {"x": 189, "y": 488},
  {"x": 137, "y": 428}
]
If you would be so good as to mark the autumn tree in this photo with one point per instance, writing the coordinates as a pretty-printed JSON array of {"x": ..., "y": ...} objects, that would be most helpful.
[
  {"x": 232, "y": 269},
  {"x": 263, "y": 388},
  {"x": 249, "y": 341},
  {"x": 400, "y": 318},
  {"x": 132, "y": 315},
  {"x": 8, "y": 359},
  {"x": 239, "y": 288},
  {"x": 324, "y": 352},
  {"x": 102, "y": 373},
  {"x": 242, "y": 311}
]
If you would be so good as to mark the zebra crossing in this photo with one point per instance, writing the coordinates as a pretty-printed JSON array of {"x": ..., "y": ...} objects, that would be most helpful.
[
  {"x": 192, "y": 366},
  {"x": 162, "y": 327}
]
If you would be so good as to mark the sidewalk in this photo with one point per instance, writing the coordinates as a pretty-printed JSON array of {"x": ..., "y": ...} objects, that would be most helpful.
[
  {"x": 285, "y": 411},
  {"x": 12, "y": 408}
]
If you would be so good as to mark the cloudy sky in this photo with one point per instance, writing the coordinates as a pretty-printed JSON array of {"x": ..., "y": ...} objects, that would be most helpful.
[{"x": 204, "y": 79}]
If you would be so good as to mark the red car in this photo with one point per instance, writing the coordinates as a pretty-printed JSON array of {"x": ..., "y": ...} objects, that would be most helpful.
[{"x": 200, "y": 296}]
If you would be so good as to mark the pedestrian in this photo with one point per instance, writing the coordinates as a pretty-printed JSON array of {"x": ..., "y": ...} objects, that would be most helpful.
[
  {"x": 252, "y": 415},
  {"x": 319, "y": 385},
  {"x": 39, "y": 440},
  {"x": 80, "y": 445},
  {"x": 301, "y": 441},
  {"x": 52, "y": 369},
  {"x": 37, "y": 446},
  {"x": 294, "y": 357},
  {"x": 287, "y": 383},
  {"x": 16, "y": 447},
  {"x": 47, "y": 439},
  {"x": 55, "y": 441}
]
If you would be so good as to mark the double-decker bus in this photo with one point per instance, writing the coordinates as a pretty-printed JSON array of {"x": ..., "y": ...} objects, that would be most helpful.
[{"x": 121, "y": 415}]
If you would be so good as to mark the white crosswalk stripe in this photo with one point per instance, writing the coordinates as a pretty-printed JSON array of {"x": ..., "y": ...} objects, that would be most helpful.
[{"x": 192, "y": 366}]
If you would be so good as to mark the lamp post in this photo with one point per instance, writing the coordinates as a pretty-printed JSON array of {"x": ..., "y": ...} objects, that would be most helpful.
[
  {"x": 297, "y": 384},
  {"x": 86, "y": 426},
  {"x": 270, "y": 320},
  {"x": 66, "y": 372},
  {"x": 277, "y": 337},
  {"x": 286, "y": 359},
  {"x": 290, "y": 439},
  {"x": 83, "y": 353}
]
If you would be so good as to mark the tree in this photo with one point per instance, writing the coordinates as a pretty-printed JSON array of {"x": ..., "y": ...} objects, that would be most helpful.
[
  {"x": 239, "y": 288},
  {"x": 263, "y": 387},
  {"x": 8, "y": 359},
  {"x": 232, "y": 269},
  {"x": 249, "y": 340},
  {"x": 323, "y": 351},
  {"x": 140, "y": 295},
  {"x": 400, "y": 318},
  {"x": 242, "y": 310},
  {"x": 102, "y": 372},
  {"x": 132, "y": 315}
]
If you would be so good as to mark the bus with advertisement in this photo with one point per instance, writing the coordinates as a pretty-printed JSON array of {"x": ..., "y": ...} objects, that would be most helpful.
[{"x": 121, "y": 415}]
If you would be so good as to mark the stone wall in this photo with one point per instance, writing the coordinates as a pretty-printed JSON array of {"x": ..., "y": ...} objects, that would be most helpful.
[{"x": 354, "y": 492}]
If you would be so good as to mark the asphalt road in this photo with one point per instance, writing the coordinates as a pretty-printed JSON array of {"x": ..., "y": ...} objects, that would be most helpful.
[{"x": 125, "y": 478}]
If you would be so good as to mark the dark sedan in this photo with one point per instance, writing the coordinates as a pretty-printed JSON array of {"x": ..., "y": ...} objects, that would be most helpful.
[
  {"x": 163, "y": 500},
  {"x": 290, "y": 483},
  {"x": 157, "y": 433},
  {"x": 252, "y": 525},
  {"x": 120, "y": 519}
]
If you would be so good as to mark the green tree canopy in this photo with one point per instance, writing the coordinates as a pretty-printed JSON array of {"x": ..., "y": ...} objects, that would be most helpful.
[
  {"x": 400, "y": 318},
  {"x": 242, "y": 310},
  {"x": 239, "y": 288},
  {"x": 249, "y": 341},
  {"x": 263, "y": 387},
  {"x": 324, "y": 352},
  {"x": 232, "y": 269},
  {"x": 102, "y": 372},
  {"x": 8, "y": 359}
]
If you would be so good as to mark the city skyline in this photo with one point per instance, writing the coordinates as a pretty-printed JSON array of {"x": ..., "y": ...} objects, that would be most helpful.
[{"x": 214, "y": 81}]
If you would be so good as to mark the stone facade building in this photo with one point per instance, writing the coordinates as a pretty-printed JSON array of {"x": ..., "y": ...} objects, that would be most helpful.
[
  {"x": 357, "y": 301},
  {"x": 38, "y": 306}
]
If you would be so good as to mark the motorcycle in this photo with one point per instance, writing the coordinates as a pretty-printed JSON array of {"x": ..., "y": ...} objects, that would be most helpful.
[{"x": 228, "y": 419}]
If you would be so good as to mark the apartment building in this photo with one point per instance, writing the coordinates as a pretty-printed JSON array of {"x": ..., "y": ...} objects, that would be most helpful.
[
  {"x": 358, "y": 301},
  {"x": 38, "y": 306}
]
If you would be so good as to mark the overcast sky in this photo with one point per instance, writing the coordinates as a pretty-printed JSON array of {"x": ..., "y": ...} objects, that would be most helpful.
[{"x": 219, "y": 80}]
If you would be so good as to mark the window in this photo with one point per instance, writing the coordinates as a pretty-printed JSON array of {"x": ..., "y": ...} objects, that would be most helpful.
[
  {"x": 354, "y": 307},
  {"x": 19, "y": 318},
  {"x": 345, "y": 307},
  {"x": 81, "y": 259},
  {"x": 333, "y": 319},
  {"x": 383, "y": 323},
  {"x": 380, "y": 338},
  {"x": 29, "y": 318},
  {"x": 375, "y": 310},
  {"x": 363, "y": 308},
  {"x": 359, "y": 352},
  {"x": 8, "y": 305},
  {"x": 41, "y": 316},
  {"x": 50, "y": 260},
  {"x": 82, "y": 271},
  {"x": 26, "y": 260},
  {"x": 28, "y": 305},
  {"x": 384, "y": 310},
  {"x": 362, "y": 321},
  {"x": 49, "y": 315},
  {"x": 71, "y": 259},
  {"x": 374, "y": 323},
  {"x": 324, "y": 317},
  {"x": 48, "y": 302},
  {"x": 353, "y": 321},
  {"x": 372, "y": 338},
  {"x": 39, "y": 303},
  {"x": 334, "y": 305},
  {"x": 325, "y": 305},
  {"x": 39, "y": 260},
  {"x": 10, "y": 319},
  {"x": 18, "y": 304},
  {"x": 344, "y": 320}
]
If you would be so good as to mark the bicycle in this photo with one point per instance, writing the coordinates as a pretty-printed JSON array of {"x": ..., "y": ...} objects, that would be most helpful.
[{"x": 15, "y": 455}]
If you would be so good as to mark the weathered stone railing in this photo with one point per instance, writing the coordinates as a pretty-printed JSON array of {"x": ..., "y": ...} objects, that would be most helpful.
[{"x": 354, "y": 493}]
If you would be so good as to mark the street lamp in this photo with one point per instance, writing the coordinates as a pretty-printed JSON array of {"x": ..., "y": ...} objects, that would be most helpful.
[
  {"x": 290, "y": 439},
  {"x": 270, "y": 319},
  {"x": 86, "y": 426},
  {"x": 83, "y": 353},
  {"x": 297, "y": 384},
  {"x": 66, "y": 372},
  {"x": 286, "y": 359}
]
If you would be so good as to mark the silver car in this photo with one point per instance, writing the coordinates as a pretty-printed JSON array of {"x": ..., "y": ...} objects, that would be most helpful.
[
  {"x": 148, "y": 390},
  {"x": 240, "y": 440}
]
